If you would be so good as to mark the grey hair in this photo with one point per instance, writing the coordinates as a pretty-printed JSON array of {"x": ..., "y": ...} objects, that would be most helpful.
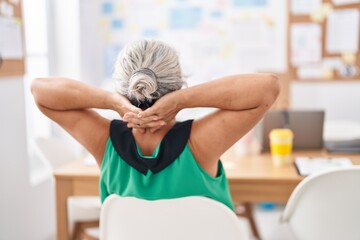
[{"x": 147, "y": 70}]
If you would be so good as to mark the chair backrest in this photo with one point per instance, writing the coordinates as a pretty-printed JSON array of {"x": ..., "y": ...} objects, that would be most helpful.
[
  {"x": 182, "y": 218},
  {"x": 54, "y": 152},
  {"x": 326, "y": 206}
]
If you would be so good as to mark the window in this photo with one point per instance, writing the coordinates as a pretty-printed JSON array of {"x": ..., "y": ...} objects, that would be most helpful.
[{"x": 37, "y": 64}]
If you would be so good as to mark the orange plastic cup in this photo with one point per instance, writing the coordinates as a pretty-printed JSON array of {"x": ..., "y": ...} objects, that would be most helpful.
[{"x": 281, "y": 144}]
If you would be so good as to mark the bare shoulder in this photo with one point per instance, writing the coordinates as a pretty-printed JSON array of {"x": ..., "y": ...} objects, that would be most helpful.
[{"x": 215, "y": 133}]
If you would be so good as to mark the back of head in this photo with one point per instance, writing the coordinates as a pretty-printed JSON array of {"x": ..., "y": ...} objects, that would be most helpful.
[{"x": 146, "y": 70}]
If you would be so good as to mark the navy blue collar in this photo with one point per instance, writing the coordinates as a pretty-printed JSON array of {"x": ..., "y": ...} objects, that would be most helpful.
[{"x": 171, "y": 146}]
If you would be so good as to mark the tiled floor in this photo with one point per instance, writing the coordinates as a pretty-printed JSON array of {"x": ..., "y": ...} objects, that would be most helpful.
[{"x": 268, "y": 224}]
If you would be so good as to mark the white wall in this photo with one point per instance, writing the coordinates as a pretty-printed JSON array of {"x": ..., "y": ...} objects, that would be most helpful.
[
  {"x": 26, "y": 212},
  {"x": 339, "y": 99},
  {"x": 64, "y": 42}
]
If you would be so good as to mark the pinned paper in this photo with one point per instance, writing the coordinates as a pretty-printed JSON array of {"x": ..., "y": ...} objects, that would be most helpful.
[
  {"x": 7, "y": 10},
  {"x": 343, "y": 31},
  {"x": 310, "y": 72},
  {"x": 333, "y": 62},
  {"x": 304, "y": 7},
  {"x": 305, "y": 43},
  {"x": 11, "y": 38},
  {"x": 344, "y": 2}
]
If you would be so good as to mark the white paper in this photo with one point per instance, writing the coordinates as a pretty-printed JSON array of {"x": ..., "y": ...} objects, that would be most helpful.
[
  {"x": 333, "y": 63},
  {"x": 305, "y": 43},
  {"x": 11, "y": 39},
  {"x": 6, "y": 9},
  {"x": 310, "y": 72},
  {"x": 308, "y": 166},
  {"x": 341, "y": 130},
  {"x": 301, "y": 7},
  {"x": 343, "y": 31},
  {"x": 343, "y": 2}
]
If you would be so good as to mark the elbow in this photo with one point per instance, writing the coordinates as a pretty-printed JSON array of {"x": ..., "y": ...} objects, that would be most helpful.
[
  {"x": 272, "y": 89},
  {"x": 35, "y": 87}
]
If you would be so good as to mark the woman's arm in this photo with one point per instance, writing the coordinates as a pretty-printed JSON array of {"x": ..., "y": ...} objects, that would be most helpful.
[
  {"x": 241, "y": 99},
  {"x": 69, "y": 102}
]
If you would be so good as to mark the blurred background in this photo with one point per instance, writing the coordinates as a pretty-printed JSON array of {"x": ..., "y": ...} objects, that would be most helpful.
[{"x": 303, "y": 41}]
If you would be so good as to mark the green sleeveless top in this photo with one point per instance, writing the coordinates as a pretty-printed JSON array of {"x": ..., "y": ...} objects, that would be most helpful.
[{"x": 171, "y": 171}]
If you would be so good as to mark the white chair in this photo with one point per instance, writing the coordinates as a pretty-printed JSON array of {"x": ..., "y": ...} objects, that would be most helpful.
[
  {"x": 188, "y": 218},
  {"x": 83, "y": 211},
  {"x": 326, "y": 206}
]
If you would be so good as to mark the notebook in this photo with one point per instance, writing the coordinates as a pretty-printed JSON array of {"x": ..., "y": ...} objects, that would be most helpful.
[{"x": 307, "y": 165}]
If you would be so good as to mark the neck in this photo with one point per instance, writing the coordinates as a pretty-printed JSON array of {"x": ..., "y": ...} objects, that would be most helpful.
[{"x": 148, "y": 140}]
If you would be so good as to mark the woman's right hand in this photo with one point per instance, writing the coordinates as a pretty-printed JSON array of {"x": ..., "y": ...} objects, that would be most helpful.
[
  {"x": 155, "y": 117},
  {"x": 164, "y": 108}
]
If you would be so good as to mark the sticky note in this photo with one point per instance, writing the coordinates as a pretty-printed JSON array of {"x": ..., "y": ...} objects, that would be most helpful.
[
  {"x": 317, "y": 16},
  {"x": 249, "y": 3},
  {"x": 117, "y": 24},
  {"x": 185, "y": 18},
  {"x": 150, "y": 32},
  {"x": 216, "y": 14},
  {"x": 327, "y": 73},
  {"x": 349, "y": 58},
  {"x": 110, "y": 53},
  {"x": 107, "y": 8}
]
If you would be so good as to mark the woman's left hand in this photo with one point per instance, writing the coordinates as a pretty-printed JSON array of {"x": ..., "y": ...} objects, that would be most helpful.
[{"x": 152, "y": 122}]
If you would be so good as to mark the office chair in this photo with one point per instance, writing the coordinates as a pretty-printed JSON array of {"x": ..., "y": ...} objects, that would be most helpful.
[
  {"x": 83, "y": 211},
  {"x": 326, "y": 206},
  {"x": 177, "y": 219}
]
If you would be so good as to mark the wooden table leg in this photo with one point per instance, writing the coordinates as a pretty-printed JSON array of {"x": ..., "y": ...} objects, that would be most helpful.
[
  {"x": 247, "y": 212},
  {"x": 63, "y": 191}
]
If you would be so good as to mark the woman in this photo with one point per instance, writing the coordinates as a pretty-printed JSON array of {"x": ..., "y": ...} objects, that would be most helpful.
[{"x": 148, "y": 155}]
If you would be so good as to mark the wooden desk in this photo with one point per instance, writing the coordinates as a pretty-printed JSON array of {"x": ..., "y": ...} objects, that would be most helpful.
[{"x": 251, "y": 178}]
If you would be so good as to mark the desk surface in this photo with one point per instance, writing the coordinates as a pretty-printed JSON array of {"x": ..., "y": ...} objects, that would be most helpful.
[
  {"x": 251, "y": 179},
  {"x": 250, "y": 167}
]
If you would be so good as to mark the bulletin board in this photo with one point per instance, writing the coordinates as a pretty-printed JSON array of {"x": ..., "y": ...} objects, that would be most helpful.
[
  {"x": 324, "y": 40},
  {"x": 11, "y": 40}
]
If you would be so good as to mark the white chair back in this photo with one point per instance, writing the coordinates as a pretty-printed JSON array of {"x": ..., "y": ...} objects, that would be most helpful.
[
  {"x": 326, "y": 206},
  {"x": 177, "y": 219}
]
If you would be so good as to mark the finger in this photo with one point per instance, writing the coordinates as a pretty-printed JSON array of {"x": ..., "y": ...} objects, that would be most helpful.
[
  {"x": 141, "y": 130},
  {"x": 133, "y": 125},
  {"x": 153, "y": 124},
  {"x": 131, "y": 117},
  {"x": 134, "y": 109},
  {"x": 147, "y": 113}
]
